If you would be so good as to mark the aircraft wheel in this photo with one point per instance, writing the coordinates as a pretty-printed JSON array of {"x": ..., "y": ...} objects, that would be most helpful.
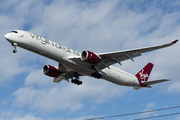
[
  {"x": 72, "y": 81},
  {"x": 80, "y": 82},
  {"x": 96, "y": 75},
  {"x": 14, "y": 51},
  {"x": 76, "y": 81}
]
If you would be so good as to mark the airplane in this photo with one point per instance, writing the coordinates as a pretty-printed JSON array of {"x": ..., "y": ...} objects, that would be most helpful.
[{"x": 73, "y": 64}]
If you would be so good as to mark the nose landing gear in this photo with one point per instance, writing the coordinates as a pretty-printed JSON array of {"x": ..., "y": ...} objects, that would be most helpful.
[{"x": 15, "y": 50}]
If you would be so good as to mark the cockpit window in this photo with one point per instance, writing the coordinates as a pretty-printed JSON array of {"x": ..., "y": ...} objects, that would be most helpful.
[{"x": 14, "y": 32}]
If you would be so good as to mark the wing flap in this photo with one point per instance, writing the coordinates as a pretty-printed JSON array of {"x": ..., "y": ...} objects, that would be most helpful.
[{"x": 58, "y": 79}]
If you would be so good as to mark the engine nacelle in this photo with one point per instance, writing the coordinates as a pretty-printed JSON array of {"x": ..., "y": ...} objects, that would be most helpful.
[
  {"x": 90, "y": 57},
  {"x": 51, "y": 71}
]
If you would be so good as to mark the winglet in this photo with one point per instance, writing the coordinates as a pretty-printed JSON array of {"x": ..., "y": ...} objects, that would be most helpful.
[{"x": 175, "y": 41}]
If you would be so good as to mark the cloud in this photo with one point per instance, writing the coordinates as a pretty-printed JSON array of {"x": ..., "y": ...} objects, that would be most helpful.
[
  {"x": 150, "y": 106},
  {"x": 46, "y": 100},
  {"x": 71, "y": 24},
  {"x": 13, "y": 17},
  {"x": 26, "y": 118},
  {"x": 16, "y": 115},
  {"x": 174, "y": 87},
  {"x": 98, "y": 26},
  {"x": 110, "y": 24},
  {"x": 37, "y": 78},
  {"x": 81, "y": 118},
  {"x": 177, "y": 117},
  {"x": 66, "y": 96}
]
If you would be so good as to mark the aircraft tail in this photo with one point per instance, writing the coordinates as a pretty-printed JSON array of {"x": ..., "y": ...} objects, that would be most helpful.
[{"x": 143, "y": 76}]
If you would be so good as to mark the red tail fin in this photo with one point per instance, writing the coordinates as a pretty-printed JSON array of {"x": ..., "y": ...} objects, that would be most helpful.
[{"x": 143, "y": 75}]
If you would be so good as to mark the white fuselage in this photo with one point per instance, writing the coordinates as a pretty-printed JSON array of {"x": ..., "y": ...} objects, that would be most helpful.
[{"x": 63, "y": 55}]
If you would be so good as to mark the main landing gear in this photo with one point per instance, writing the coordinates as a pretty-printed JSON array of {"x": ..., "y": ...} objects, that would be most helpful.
[
  {"x": 76, "y": 81},
  {"x": 96, "y": 75},
  {"x": 15, "y": 50}
]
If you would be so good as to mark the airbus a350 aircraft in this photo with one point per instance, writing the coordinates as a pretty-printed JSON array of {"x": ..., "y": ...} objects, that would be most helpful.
[{"x": 73, "y": 64}]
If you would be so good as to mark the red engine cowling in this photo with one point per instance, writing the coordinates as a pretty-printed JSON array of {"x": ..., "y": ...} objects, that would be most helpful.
[
  {"x": 51, "y": 71},
  {"x": 90, "y": 57}
]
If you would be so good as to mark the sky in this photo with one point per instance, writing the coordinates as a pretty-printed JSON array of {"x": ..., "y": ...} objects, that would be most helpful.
[{"x": 99, "y": 26}]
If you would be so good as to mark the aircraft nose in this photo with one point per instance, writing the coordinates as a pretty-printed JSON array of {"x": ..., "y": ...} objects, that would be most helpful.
[{"x": 7, "y": 36}]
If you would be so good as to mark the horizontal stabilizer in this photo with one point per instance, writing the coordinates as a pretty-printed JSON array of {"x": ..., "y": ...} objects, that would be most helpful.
[
  {"x": 137, "y": 88},
  {"x": 155, "y": 81},
  {"x": 149, "y": 83}
]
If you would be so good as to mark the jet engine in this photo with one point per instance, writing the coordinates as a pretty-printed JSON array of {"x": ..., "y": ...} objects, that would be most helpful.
[
  {"x": 51, "y": 71},
  {"x": 90, "y": 57}
]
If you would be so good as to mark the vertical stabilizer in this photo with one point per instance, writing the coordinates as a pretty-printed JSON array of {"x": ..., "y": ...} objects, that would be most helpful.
[{"x": 144, "y": 74}]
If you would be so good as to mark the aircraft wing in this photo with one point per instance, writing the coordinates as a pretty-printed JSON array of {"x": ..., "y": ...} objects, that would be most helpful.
[
  {"x": 111, "y": 58},
  {"x": 116, "y": 57}
]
